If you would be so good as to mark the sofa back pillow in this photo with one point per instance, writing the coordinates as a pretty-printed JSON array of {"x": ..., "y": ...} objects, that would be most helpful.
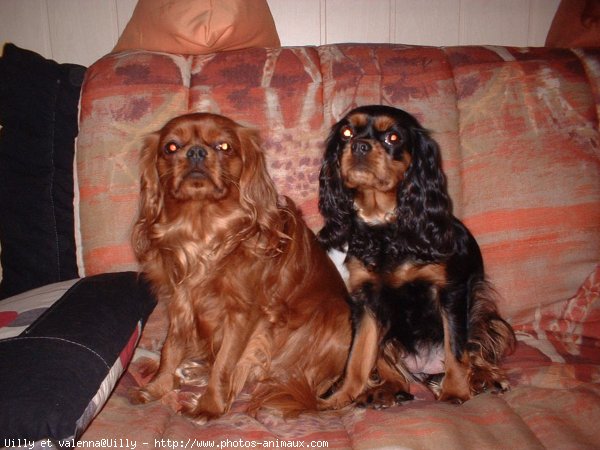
[{"x": 199, "y": 26}]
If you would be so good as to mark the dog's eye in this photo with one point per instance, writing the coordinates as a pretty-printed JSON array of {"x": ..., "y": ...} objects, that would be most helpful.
[
  {"x": 392, "y": 138},
  {"x": 223, "y": 147},
  {"x": 346, "y": 133},
  {"x": 171, "y": 147}
]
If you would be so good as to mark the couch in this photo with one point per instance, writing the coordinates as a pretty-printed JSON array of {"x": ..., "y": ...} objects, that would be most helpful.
[{"x": 520, "y": 140}]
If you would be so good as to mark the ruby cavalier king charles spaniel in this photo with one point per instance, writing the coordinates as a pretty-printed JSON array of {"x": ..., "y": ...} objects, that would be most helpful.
[{"x": 249, "y": 290}]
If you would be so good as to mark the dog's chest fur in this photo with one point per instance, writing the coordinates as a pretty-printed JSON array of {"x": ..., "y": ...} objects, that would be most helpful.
[{"x": 401, "y": 291}]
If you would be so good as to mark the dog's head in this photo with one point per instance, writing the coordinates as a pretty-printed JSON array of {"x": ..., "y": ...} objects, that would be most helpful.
[
  {"x": 201, "y": 160},
  {"x": 380, "y": 167},
  {"x": 201, "y": 157}
]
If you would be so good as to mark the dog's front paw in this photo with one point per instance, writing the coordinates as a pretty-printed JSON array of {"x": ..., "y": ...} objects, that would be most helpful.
[
  {"x": 495, "y": 387},
  {"x": 382, "y": 397},
  {"x": 140, "y": 395},
  {"x": 490, "y": 381},
  {"x": 154, "y": 390},
  {"x": 456, "y": 394},
  {"x": 500, "y": 387},
  {"x": 452, "y": 398},
  {"x": 203, "y": 408},
  {"x": 193, "y": 373},
  {"x": 335, "y": 401}
]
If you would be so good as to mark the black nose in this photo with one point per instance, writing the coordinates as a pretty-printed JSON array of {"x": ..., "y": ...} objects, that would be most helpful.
[
  {"x": 361, "y": 147},
  {"x": 196, "y": 153}
]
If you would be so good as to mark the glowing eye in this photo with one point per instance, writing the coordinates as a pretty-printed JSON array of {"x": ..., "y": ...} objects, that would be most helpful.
[
  {"x": 392, "y": 138},
  {"x": 223, "y": 146},
  {"x": 347, "y": 133},
  {"x": 171, "y": 147}
]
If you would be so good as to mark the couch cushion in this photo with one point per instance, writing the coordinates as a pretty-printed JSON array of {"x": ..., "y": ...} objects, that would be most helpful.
[
  {"x": 58, "y": 373},
  {"x": 38, "y": 114}
]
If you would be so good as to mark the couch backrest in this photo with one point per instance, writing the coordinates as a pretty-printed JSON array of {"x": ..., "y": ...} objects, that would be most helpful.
[{"x": 518, "y": 130}]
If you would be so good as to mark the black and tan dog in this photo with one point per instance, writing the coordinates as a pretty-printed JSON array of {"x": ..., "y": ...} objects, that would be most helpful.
[{"x": 423, "y": 309}]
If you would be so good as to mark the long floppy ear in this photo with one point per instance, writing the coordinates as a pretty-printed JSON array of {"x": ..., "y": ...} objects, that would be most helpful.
[
  {"x": 335, "y": 200},
  {"x": 423, "y": 201},
  {"x": 151, "y": 196},
  {"x": 258, "y": 195}
]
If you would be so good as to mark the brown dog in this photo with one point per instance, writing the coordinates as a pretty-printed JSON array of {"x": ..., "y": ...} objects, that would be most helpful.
[{"x": 249, "y": 289}]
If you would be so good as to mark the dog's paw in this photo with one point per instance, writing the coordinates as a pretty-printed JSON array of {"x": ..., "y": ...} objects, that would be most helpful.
[
  {"x": 497, "y": 387},
  {"x": 140, "y": 395},
  {"x": 193, "y": 373},
  {"x": 451, "y": 398},
  {"x": 381, "y": 398},
  {"x": 333, "y": 402},
  {"x": 190, "y": 409},
  {"x": 490, "y": 382},
  {"x": 403, "y": 396},
  {"x": 202, "y": 408},
  {"x": 500, "y": 387}
]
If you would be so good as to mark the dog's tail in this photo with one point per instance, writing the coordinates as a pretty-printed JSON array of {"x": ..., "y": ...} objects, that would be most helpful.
[{"x": 490, "y": 336}]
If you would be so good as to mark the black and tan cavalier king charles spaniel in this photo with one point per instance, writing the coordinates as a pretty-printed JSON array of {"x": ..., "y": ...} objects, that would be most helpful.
[{"x": 423, "y": 310}]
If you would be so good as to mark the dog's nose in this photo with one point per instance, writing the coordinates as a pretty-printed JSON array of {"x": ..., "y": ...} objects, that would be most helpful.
[
  {"x": 361, "y": 147},
  {"x": 196, "y": 153}
]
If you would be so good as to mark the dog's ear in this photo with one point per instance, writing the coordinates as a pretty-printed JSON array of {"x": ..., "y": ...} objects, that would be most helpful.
[
  {"x": 151, "y": 195},
  {"x": 258, "y": 195},
  {"x": 423, "y": 201},
  {"x": 335, "y": 200}
]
